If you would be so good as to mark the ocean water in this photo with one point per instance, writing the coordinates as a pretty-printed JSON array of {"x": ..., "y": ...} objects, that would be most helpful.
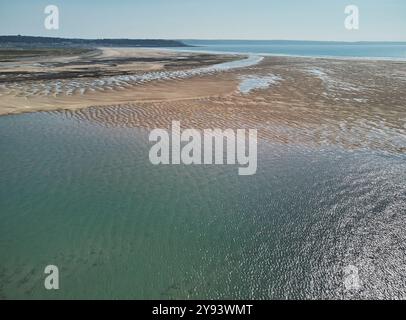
[
  {"x": 378, "y": 50},
  {"x": 314, "y": 222}
]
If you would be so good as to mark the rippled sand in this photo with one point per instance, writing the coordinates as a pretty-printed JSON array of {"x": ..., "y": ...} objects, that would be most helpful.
[
  {"x": 95, "y": 77},
  {"x": 353, "y": 103}
]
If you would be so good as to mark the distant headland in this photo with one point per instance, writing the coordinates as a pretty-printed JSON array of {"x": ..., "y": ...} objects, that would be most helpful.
[{"x": 29, "y": 41}]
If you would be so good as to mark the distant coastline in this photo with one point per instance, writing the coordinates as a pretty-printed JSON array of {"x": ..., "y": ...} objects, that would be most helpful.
[
  {"x": 288, "y": 42},
  {"x": 29, "y": 41},
  {"x": 39, "y": 41},
  {"x": 315, "y": 49}
]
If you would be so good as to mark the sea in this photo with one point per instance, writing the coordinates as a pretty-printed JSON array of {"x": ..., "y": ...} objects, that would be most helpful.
[{"x": 371, "y": 50}]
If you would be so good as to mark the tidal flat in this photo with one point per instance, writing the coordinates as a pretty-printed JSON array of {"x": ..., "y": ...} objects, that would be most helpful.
[{"x": 77, "y": 189}]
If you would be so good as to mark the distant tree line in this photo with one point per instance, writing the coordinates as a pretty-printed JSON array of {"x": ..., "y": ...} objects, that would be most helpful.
[{"x": 61, "y": 42}]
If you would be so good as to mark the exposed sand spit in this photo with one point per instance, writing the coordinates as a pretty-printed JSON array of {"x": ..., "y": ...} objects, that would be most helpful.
[{"x": 351, "y": 103}]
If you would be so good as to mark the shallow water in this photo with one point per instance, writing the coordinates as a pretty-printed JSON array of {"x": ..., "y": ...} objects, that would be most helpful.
[
  {"x": 83, "y": 196},
  {"x": 250, "y": 83},
  {"x": 377, "y": 50}
]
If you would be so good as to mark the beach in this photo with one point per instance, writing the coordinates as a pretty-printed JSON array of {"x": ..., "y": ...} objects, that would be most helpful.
[
  {"x": 78, "y": 189},
  {"x": 354, "y": 103}
]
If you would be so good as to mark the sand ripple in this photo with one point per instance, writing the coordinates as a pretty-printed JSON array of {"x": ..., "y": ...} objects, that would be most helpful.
[{"x": 81, "y": 86}]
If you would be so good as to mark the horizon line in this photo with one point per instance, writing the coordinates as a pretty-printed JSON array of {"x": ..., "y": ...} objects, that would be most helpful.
[{"x": 205, "y": 39}]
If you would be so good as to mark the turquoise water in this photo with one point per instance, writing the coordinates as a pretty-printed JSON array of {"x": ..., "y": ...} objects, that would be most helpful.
[
  {"x": 85, "y": 197},
  {"x": 297, "y": 48}
]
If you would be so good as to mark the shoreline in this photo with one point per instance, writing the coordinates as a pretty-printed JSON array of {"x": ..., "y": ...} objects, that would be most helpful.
[
  {"x": 350, "y": 58},
  {"x": 43, "y": 90},
  {"x": 350, "y": 103},
  {"x": 154, "y": 75}
]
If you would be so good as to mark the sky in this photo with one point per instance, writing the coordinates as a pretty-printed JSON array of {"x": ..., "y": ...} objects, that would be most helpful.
[{"x": 379, "y": 20}]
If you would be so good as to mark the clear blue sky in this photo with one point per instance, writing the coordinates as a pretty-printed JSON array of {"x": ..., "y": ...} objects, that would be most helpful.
[{"x": 208, "y": 19}]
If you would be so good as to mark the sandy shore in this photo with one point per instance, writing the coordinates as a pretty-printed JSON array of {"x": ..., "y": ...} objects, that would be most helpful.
[
  {"x": 354, "y": 103},
  {"x": 83, "y": 80}
]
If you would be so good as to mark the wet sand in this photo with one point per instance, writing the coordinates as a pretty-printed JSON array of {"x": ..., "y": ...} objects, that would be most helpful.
[
  {"x": 353, "y": 103},
  {"x": 78, "y": 189}
]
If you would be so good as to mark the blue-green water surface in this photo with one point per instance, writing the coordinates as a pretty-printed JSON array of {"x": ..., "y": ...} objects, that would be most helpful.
[{"x": 84, "y": 197}]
